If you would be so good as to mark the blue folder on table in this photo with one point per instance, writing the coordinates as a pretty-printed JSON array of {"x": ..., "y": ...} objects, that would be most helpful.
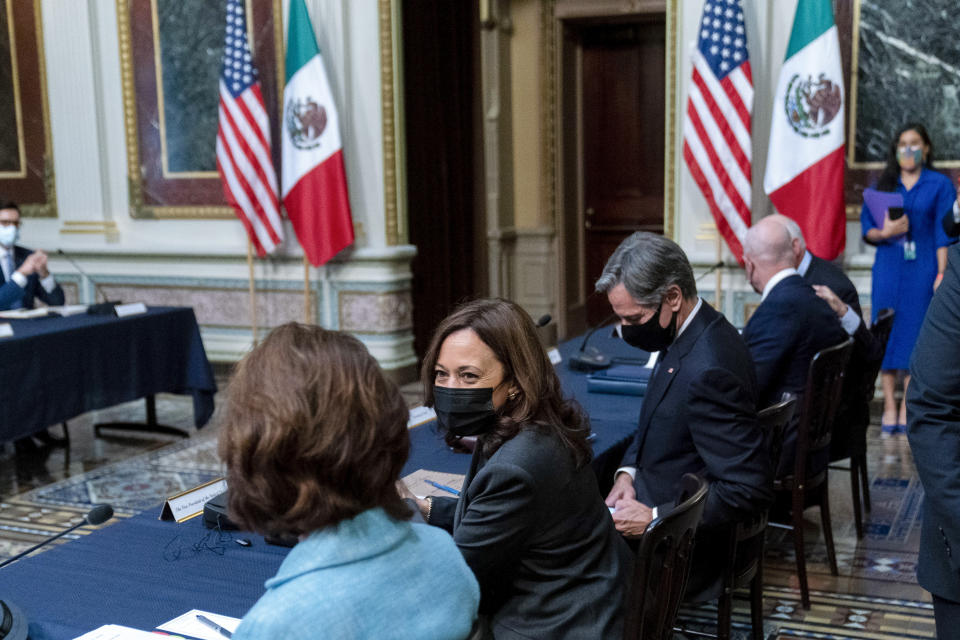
[{"x": 622, "y": 379}]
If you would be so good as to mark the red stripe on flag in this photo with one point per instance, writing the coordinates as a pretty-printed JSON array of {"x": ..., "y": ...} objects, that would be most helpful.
[
  {"x": 722, "y": 225},
  {"x": 718, "y": 168},
  {"x": 260, "y": 175},
  {"x": 736, "y": 100},
  {"x": 319, "y": 210},
  {"x": 745, "y": 67},
  {"x": 722, "y": 124},
  {"x": 815, "y": 200}
]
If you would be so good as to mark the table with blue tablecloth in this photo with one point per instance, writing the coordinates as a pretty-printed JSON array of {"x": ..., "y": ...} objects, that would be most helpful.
[
  {"x": 142, "y": 572},
  {"x": 55, "y": 368}
]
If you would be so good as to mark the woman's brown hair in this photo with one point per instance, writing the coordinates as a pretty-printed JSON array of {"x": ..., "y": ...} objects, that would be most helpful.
[
  {"x": 313, "y": 434},
  {"x": 510, "y": 333}
]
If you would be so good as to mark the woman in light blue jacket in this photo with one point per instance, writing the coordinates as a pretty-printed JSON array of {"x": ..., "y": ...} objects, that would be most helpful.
[{"x": 314, "y": 438}]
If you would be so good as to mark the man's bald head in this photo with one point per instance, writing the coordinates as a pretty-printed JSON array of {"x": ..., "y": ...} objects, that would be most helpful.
[
  {"x": 767, "y": 249},
  {"x": 768, "y": 244}
]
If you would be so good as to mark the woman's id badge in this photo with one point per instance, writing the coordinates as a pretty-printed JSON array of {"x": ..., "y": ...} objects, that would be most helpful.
[{"x": 909, "y": 250}]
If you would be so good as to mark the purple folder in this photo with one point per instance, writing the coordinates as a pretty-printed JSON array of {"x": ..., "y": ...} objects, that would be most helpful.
[{"x": 878, "y": 202}]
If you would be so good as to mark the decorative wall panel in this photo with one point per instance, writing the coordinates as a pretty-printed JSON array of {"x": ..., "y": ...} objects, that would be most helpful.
[
  {"x": 903, "y": 61},
  {"x": 26, "y": 162},
  {"x": 170, "y": 55}
]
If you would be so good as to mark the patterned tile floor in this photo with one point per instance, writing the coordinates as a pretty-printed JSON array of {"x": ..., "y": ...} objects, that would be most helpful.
[{"x": 875, "y": 595}]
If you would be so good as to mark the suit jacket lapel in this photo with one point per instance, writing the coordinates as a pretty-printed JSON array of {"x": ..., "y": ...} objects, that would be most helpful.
[
  {"x": 670, "y": 366},
  {"x": 476, "y": 463}
]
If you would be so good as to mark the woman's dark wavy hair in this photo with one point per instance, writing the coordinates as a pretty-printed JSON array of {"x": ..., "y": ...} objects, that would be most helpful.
[
  {"x": 313, "y": 434},
  {"x": 891, "y": 171},
  {"x": 510, "y": 333}
]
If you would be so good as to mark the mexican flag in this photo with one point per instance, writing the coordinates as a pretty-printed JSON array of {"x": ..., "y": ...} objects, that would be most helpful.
[
  {"x": 313, "y": 182},
  {"x": 804, "y": 176}
]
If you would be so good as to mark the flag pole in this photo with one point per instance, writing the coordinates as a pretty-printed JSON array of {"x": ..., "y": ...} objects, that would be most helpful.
[
  {"x": 307, "y": 311},
  {"x": 719, "y": 271},
  {"x": 253, "y": 298}
]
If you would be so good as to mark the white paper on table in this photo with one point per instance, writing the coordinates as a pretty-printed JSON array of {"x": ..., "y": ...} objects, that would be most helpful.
[
  {"x": 188, "y": 624},
  {"x": 117, "y": 632}
]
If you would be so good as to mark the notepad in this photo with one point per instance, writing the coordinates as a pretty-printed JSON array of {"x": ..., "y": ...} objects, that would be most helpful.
[
  {"x": 188, "y": 625},
  {"x": 117, "y": 632},
  {"x": 419, "y": 487}
]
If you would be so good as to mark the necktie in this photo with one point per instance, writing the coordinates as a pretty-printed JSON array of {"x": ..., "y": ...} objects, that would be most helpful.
[{"x": 8, "y": 265}]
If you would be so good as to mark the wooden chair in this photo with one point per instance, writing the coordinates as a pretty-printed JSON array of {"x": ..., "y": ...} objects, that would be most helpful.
[
  {"x": 662, "y": 564},
  {"x": 858, "y": 392},
  {"x": 745, "y": 545},
  {"x": 808, "y": 484}
]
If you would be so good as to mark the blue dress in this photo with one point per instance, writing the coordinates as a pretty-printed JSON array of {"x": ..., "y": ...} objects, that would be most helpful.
[{"x": 906, "y": 286}]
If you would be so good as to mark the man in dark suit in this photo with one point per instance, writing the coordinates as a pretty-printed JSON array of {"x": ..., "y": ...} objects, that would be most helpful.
[
  {"x": 833, "y": 286},
  {"x": 23, "y": 273},
  {"x": 789, "y": 327},
  {"x": 933, "y": 430},
  {"x": 699, "y": 414}
]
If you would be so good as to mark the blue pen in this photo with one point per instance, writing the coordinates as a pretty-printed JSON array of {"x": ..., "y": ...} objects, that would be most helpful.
[
  {"x": 442, "y": 487},
  {"x": 592, "y": 436},
  {"x": 213, "y": 625}
]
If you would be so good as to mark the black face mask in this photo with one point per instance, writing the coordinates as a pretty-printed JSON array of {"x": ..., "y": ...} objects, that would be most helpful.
[
  {"x": 464, "y": 412},
  {"x": 650, "y": 336}
]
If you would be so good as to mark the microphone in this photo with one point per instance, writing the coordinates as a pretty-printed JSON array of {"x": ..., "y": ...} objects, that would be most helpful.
[
  {"x": 98, "y": 515},
  {"x": 104, "y": 308},
  {"x": 13, "y": 624},
  {"x": 591, "y": 359},
  {"x": 544, "y": 320},
  {"x": 709, "y": 271}
]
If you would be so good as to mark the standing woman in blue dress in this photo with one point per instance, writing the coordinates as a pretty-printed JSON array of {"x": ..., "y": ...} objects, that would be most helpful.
[{"x": 905, "y": 274}]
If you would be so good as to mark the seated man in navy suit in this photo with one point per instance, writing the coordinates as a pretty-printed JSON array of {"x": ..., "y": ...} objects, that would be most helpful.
[
  {"x": 23, "y": 273},
  {"x": 699, "y": 414},
  {"x": 789, "y": 327},
  {"x": 832, "y": 285}
]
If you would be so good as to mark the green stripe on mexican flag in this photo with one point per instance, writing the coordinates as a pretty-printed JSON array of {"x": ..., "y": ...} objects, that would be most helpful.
[
  {"x": 805, "y": 158},
  {"x": 313, "y": 181}
]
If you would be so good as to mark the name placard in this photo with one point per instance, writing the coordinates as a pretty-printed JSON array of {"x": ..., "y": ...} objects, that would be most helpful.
[
  {"x": 420, "y": 415},
  {"x": 6, "y": 330},
  {"x": 554, "y": 354},
  {"x": 131, "y": 309},
  {"x": 189, "y": 504}
]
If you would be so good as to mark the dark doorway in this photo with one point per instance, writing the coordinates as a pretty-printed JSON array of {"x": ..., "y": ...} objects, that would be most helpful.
[
  {"x": 622, "y": 127},
  {"x": 440, "y": 69}
]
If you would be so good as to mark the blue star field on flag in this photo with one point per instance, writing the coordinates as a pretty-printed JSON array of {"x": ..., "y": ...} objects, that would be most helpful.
[
  {"x": 723, "y": 40},
  {"x": 238, "y": 71}
]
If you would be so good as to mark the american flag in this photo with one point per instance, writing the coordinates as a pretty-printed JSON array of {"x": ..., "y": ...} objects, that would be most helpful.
[
  {"x": 716, "y": 127},
  {"x": 243, "y": 140}
]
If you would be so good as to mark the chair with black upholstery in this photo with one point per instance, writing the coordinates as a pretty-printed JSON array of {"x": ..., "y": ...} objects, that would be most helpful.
[
  {"x": 745, "y": 544},
  {"x": 853, "y": 419},
  {"x": 808, "y": 484},
  {"x": 662, "y": 564}
]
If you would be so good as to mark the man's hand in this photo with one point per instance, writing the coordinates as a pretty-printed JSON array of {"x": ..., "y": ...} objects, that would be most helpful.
[
  {"x": 825, "y": 293},
  {"x": 631, "y": 517},
  {"x": 622, "y": 489},
  {"x": 40, "y": 259},
  {"x": 32, "y": 263}
]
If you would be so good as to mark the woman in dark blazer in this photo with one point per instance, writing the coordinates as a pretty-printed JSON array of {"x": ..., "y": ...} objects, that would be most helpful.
[{"x": 530, "y": 520}]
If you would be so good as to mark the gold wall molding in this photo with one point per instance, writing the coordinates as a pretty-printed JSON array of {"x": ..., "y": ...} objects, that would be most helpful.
[
  {"x": 104, "y": 227},
  {"x": 389, "y": 111},
  {"x": 670, "y": 175}
]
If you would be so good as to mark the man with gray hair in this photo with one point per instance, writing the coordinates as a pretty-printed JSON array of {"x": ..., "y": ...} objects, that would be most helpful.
[
  {"x": 699, "y": 414},
  {"x": 791, "y": 324}
]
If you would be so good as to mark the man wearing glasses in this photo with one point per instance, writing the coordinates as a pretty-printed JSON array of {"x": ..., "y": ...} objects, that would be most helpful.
[{"x": 23, "y": 273}]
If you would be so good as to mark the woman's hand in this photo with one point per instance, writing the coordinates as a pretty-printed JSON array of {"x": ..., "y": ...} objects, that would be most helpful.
[
  {"x": 405, "y": 492},
  {"x": 893, "y": 228}
]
